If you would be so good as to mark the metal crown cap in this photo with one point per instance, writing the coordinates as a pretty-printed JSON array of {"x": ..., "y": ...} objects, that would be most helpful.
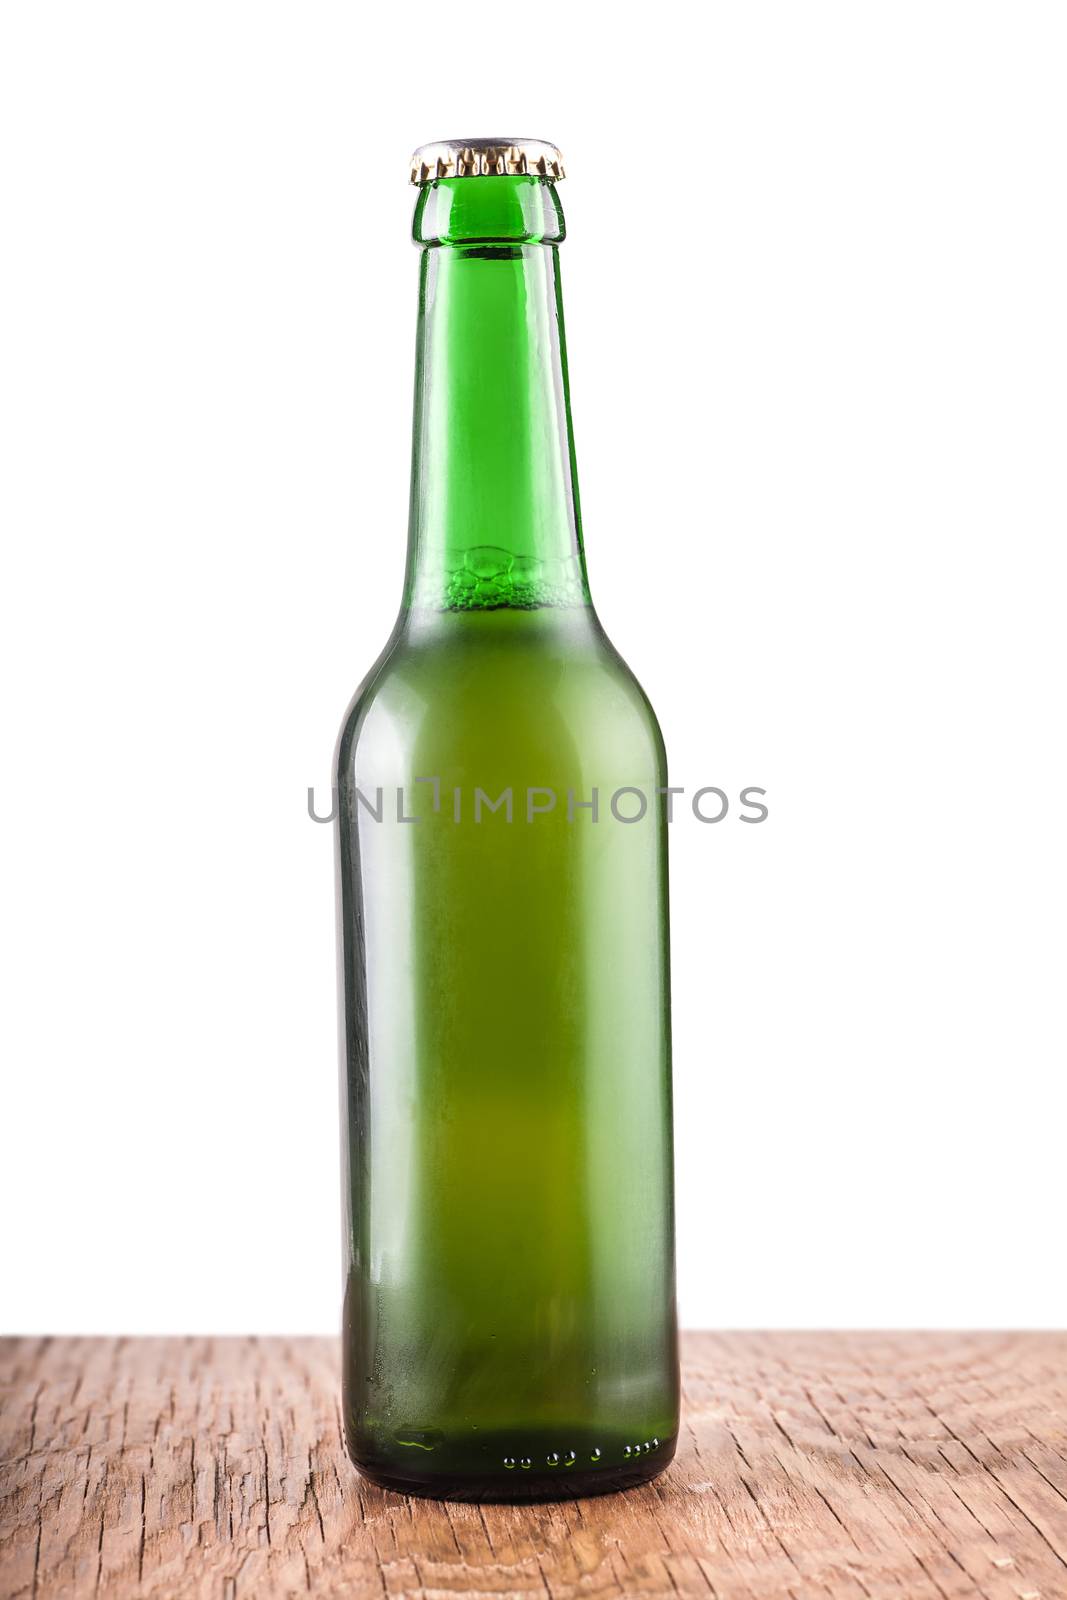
[{"x": 485, "y": 158}]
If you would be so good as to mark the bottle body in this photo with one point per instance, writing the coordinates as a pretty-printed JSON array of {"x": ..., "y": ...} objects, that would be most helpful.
[{"x": 509, "y": 1326}]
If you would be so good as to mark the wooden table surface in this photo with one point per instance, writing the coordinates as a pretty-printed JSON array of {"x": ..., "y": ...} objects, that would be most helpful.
[{"x": 860, "y": 1464}]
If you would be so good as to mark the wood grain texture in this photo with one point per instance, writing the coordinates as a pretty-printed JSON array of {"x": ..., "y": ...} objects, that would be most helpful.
[{"x": 844, "y": 1465}]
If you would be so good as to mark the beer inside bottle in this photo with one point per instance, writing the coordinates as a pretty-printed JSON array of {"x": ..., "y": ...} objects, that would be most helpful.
[{"x": 509, "y": 1315}]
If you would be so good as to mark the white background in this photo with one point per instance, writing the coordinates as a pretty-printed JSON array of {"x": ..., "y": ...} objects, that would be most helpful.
[{"x": 815, "y": 290}]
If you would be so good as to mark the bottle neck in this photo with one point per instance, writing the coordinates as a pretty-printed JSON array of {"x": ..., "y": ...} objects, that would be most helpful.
[{"x": 495, "y": 519}]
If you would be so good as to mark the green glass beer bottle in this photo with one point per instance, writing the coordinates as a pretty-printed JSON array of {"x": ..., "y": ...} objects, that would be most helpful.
[{"x": 509, "y": 1314}]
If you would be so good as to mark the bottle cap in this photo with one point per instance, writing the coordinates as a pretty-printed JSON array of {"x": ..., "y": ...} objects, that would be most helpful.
[{"x": 485, "y": 158}]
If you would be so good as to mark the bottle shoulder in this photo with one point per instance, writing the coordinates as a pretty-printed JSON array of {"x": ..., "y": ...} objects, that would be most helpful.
[
  {"x": 362, "y": 700},
  {"x": 519, "y": 684}
]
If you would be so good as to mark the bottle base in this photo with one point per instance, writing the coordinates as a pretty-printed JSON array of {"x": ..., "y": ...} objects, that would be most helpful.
[{"x": 522, "y": 1481}]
